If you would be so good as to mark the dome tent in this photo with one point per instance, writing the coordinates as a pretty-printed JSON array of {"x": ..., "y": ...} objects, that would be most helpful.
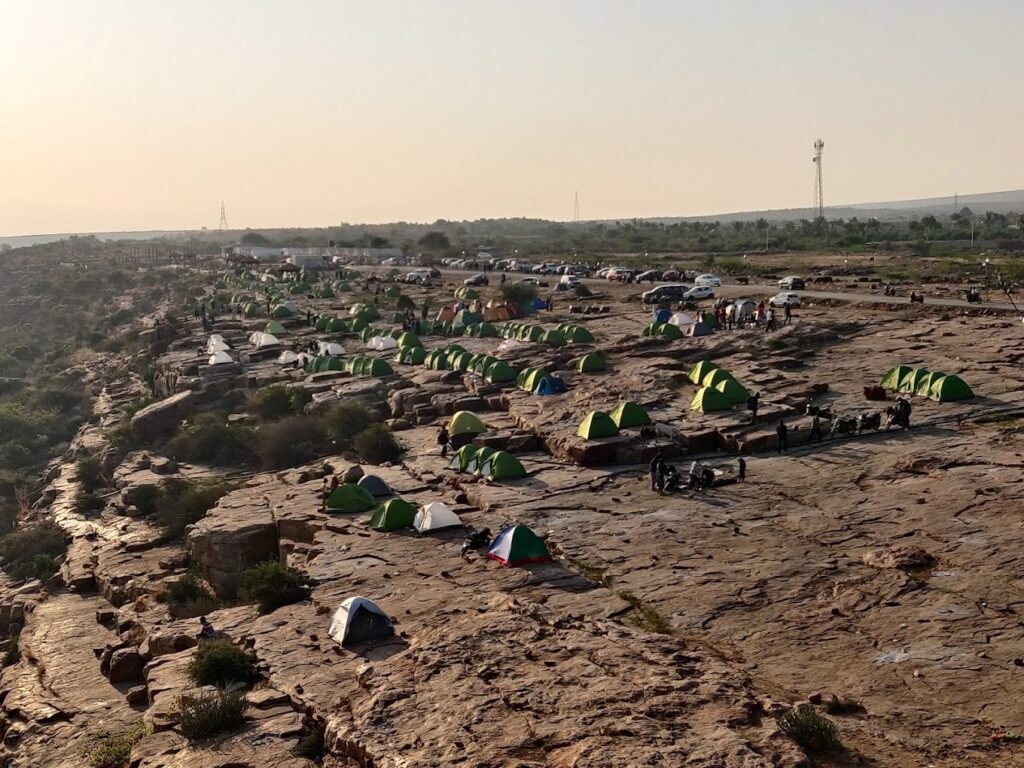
[
  {"x": 350, "y": 499},
  {"x": 216, "y": 343},
  {"x": 575, "y": 334},
  {"x": 477, "y": 459},
  {"x": 528, "y": 378},
  {"x": 435, "y": 517},
  {"x": 359, "y": 620},
  {"x": 680, "y": 319},
  {"x": 894, "y": 376},
  {"x": 550, "y": 385},
  {"x": 408, "y": 339},
  {"x": 592, "y": 363},
  {"x": 924, "y": 386},
  {"x": 262, "y": 340},
  {"x": 374, "y": 486},
  {"x": 337, "y": 325},
  {"x": 502, "y": 466},
  {"x": 700, "y": 328},
  {"x": 500, "y": 372},
  {"x": 911, "y": 380},
  {"x": 275, "y": 328},
  {"x": 465, "y": 423},
  {"x": 382, "y": 343},
  {"x": 597, "y": 424},
  {"x": 661, "y": 316},
  {"x": 461, "y": 459},
  {"x": 393, "y": 515},
  {"x": 950, "y": 388},
  {"x": 629, "y": 414},
  {"x": 714, "y": 377},
  {"x": 709, "y": 399},
  {"x": 735, "y": 392},
  {"x": 664, "y": 330},
  {"x": 518, "y": 545},
  {"x": 220, "y": 357},
  {"x": 700, "y": 370},
  {"x": 411, "y": 355}
]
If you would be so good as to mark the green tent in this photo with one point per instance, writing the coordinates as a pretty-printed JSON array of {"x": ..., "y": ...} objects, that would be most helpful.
[
  {"x": 476, "y": 461},
  {"x": 499, "y": 372},
  {"x": 553, "y": 338},
  {"x": 466, "y": 423},
  {"x": 909, "y": 382},
  {"x": 482, "y": 331},
  {"x": 411, "y": 355},
  {"x": 282, "y": 311},
  {"x": 951, "y": 388},
  {"x": 436, "y": 360},
  {"x": 358, "y": 323},
  {"x": 322, "y": 322},
  {"x": 336, "y": 325},
  {"x": 375, "y": 366},
  {"x": 365, "y": 311},
  {"x": 532, "y": 333},
  {"x": 409, "y": 340},
  {"x": 629, "y": 414},
  {"x": 483, "y": 363},
  {"x": 459, "y": 361},
  {"x": 321, "y": 364},
  {"x": 349, "y": 498},
  {"x": 713, "y": 378},
  {"x": 274, "y": 328},
  {"x": 529, "y": 382},
  {"x": 924, "y": 386},
  {"x": 574, "y": 334},
  {"x": 592, "y": 363},
  {"x": 597, "y": 424},
  {"x": 461, "y": 459},
  {"x": 464, "y": 318},
  {"x": 324, "y": 292},
  {"x": 393, "y": 515},
  {"x": 518, "y": 545},
  {"x": 734, "y": 392},
  {"x": 466, "y": 293},
  {"x": 894, "y": 376},
  {"x": 700, "y": 370},
  {"x": 393, "y": 291},
  {"x": 502, "y": 466},
  {"x": 664, "y": 330},
  {"x": 708, "y": 399}
]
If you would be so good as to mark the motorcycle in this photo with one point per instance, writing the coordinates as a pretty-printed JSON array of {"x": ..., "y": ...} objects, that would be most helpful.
[
  {"x": 843, "y": 425},
  {"x": 867, "y": 421}
]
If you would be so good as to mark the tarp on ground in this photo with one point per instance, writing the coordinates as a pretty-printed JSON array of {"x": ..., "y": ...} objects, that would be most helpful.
[
  {"x": 708, "y": 400},
  {"x": 629, "y": 414},
  {"x": 435, "y": 516},
  {"x": 393, "y": 515},
  {"x": 359, "y": 620},
  {"x": 951, "y": 388},
  {"x": 518, "y": 545},
  {"x": 592, "y": 363},
  {"x": 350, "y": 499},
  {"x": 595, "y": 425},
  {"x": 465, "y": 422}
]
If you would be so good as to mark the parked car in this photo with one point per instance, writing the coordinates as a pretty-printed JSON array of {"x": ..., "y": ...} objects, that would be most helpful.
[
  {"x": 570, "y": 281},
  {"x": 476, "y": 280},
  {"x": 418, "y": 277},
  {"x": 670, "y": 275},
  {"x": 672, "y": 292},
  {"x": 711, "y": 281},
  {"x": 650, "y": 276},
  {"x": 532, "y": 281},
  {"x": 699, "y": 292},
  {"x": 782, "y": 299},
  {"x": 791, "y": 283}
]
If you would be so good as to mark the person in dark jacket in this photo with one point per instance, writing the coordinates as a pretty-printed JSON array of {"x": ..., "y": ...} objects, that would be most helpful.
[
  {"x": 752, "y": 402},
  {"x": 783, "y": 432},
  {"x": 657, "y": 472},
  {"x": 444, "y": 440}
]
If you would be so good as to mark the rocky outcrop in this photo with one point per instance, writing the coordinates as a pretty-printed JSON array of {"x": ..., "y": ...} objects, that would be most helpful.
[
  {"x": 241, "y": 533},
  {"x": 164, "y": 417}
]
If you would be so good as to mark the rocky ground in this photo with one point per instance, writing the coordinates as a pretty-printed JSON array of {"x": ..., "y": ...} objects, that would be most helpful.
[{"x": 670, "y": 630}]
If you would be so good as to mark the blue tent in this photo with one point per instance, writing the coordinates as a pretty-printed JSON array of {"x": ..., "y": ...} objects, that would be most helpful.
[
  {"x": 539, "y": 303},
  {"x": 661, "y": 316},
  {"x": 550, "y": 385}
]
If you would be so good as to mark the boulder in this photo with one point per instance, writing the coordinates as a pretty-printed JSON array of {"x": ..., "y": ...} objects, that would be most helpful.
[
  {"x": 125, "y": 666},
  {"x": 903, "y": 557},
  {"x": 138, "y": 694},
  {"x": 164, "y": 466},
  {"x": 163, "y": 418},
  {"x": 234, "y": 539},
  {"x": 353, "y": 474}
]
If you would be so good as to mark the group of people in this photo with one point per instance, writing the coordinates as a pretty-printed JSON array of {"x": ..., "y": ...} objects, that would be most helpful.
[
  {"x": 665, "y": 478},
  {"x": 898, "y": 415},
  {"x": 410, "y": 322},
  {"x": 762, "y": 316}
]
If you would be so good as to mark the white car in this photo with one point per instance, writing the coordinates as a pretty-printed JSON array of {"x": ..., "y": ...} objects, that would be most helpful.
[
  {"x": 699, "y": 292},
  {"x": 711, "y": 281},
  {"x": 532, "y": 281},
  {"x": 570, "y": 280},
  {"x": 782, "y": 299}
]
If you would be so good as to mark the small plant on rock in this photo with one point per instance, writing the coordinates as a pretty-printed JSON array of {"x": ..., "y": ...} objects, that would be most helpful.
[
  {"x": 113, "y": 750},
  {"x": 188, "y": 598},
  {"x": 345, "y": 421},
  {"x": 220, "y": 663},
  {"x": 273, "y": 402},
  {"x": 810, "y": 730},
  {"x": 89, "y": 473},
  {"x": 210, "y": 714},
  {"x": 377, "y": 445},
  {"x": 272, "y": 585}
]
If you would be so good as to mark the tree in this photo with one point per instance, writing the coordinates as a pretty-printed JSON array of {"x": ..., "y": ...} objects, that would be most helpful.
[
  {"x": 379, "y": 242},
  {"x": 435, "y": 241},
  {"x": 254, "y": 238}
]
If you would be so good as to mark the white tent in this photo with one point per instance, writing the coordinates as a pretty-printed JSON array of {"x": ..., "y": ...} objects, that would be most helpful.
[
  {"x": 287, "y": 357},
  {"x": 382, "y": 343},
  {"x": 330, "y": 349},
  {"x": 742, "y": 310},
  {"x": 680, "y": 319},
  {"x": 261, "y": 340},
  {"x": 216, "y": 343},
  {"x": 359, "y": 619},
  {"x": 434, "y": 517},
  {"x": 219, "y": 358}
]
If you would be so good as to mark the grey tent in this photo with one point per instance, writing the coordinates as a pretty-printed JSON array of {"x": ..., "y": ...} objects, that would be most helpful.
[
  {"x": 375, "y": 486},
  {"x": 700, "y": 329},
  {"x": 359, "y": 620}
]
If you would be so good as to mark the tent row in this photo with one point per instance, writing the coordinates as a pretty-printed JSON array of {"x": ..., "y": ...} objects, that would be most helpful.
[
  {"x": 673, "y": 332},
  {"x": 598, "y": 424},
  {"x": 924, "y": 383},
  {"x": 539, "y": 382},
  {"x": 487, "y": 463},
  {"x": 534, "y": 333},
  {"x": 719, "y": 390},
  {"x": 331, "y": 324},
  {"x": 357, "y": 366},
  {"x": 455, "y": 358}
]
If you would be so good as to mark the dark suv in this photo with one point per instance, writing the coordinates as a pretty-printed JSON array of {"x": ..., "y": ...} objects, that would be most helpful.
[{"x": 663, "y": 293}]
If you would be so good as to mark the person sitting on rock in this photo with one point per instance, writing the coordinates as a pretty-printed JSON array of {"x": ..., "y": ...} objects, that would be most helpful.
[
  {"x": 670, "y": 479},
  {"x": 206, "y": 629},
  {"x": 444, "y": 440}
]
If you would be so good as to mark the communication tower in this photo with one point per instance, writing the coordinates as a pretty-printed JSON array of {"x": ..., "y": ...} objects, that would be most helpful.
[
  {"x": 819, "y": 194},
  {"x": 576, "y": 208},
  {"x": 223, "y": 217}
]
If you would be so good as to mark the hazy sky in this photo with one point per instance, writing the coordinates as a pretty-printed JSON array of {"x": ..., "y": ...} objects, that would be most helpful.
[{"x": 144, "y": 114}]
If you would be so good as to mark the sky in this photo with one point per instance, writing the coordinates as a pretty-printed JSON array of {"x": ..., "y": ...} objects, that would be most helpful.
[{"x": 146, "y": 114}]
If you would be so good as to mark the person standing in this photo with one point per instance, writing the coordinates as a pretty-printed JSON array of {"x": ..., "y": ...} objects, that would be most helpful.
[
  {"x": 788, "y": 310},
  {"x": 816, "y": 427},
  {"x": 783, "y": 433},
  {"x": 655, "y": 469},
  {"x": 752, "y": 403},
  {"x": 443, "y": 440},
  {"x": 742, "y": 465},
  {"x": 770, "y": 325}
]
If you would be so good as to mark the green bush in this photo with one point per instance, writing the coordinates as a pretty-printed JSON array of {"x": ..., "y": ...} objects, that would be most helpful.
[
  {"x": 209, "y": 714},
  {"x": 113, "y": 750},
  {"x": 300, "y": 399},
  {"x": 188, "y": 597},
  {"x": 144, "y": 497},
  {"x": 88, "y": 503},
  {"x": 182, "y": 503},
  {"x": 273, "y": 402},
  {"x": 272, "y": 585},
  {"x": 32, "y": 552},
  {"x": 220, "y": 663},
  {"x": 211, "y": 440},
  {"x": 518, "y": 293},
  {"x": 290, "y": 441},
  {"x": 377, "y": 445},
  {"x": 344, "y": 422},
  {"x": 810, "y": 730}
]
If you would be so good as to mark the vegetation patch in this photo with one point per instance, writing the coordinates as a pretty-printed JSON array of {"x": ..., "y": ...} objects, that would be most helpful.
[
  {"x": 208, "y": 714},
  {"x": 813, "y": 732},
  {"x": 219, "y": 663},
  {"x": 188, "y": 597},
  {"x": 377, "y": 444},
  {"x": 272, "y": 585},
  {"x": 182, "y": 503},
  {"x": 209, "y": 439},
  {"x": 345, "y": 421},
  {"x": 291, "y": 441},
  {"x": 113, "y": 750},
  {"x": 33, "y": 552}
]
